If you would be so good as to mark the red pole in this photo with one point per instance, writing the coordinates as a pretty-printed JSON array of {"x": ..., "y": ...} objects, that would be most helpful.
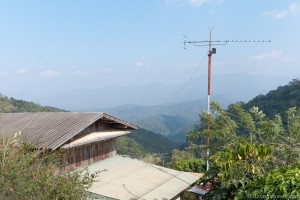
[{"x": 207, "y": 141}]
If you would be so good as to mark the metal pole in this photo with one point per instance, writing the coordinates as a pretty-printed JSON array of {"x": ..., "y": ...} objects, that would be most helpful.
[{"x": 207, "y": 142}]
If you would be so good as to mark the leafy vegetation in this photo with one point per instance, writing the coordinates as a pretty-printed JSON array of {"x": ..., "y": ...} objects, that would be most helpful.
[
  {"x": 29, "y": 173},
  {"x": 151, "y": 147},
  {"x": 128, "y": 146},
  {"x": 190, "y": 165},
  {"x": 185, "y": 161},
  {"x": 153, "y": 159},
  {"x": 281, "y": 183},
  {"x": 247, "y": 146},
  {"x": 9, "y": 105}
]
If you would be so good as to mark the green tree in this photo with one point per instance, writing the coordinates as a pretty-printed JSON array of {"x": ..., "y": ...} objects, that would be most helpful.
[
  {"x": 10, "y": 105},
  {"x": 246, "y": 145},
  {"x": 153, "y": 159},
  {"x": 185, "y": 161},
  {"x": 29, "y": 173},
  {"x": 128, "y": 146}
]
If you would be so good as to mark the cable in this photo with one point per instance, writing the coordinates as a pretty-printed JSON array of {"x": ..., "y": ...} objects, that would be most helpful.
[
  {"x": 185, "y": 84},
  {"x": 132, "y": 193},
  {"x": 175, "y": 176},
  {"x": 168, "y": 173}
]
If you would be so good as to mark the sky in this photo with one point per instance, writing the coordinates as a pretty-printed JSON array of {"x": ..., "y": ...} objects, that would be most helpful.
[{"x": 66, "y": 45}]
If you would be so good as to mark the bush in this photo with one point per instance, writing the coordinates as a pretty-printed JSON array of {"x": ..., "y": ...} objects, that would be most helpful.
[
  {"x": 190, "y": 165},
  {"x": 283, "y": 183},
  {"x": 29, "y": 173}
]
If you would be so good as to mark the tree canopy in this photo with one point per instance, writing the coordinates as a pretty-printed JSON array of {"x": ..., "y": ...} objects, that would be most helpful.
[
  {"x": 279, "y": 100},
  {"x": 246, "y": 146},
  {"x": 9, "y": 105}
]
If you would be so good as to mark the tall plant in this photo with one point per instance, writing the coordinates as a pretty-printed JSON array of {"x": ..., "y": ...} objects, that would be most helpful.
[{"x": 30, "y": 173}]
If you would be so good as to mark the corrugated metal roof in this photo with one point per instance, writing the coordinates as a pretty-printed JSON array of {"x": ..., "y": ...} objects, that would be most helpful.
[
  {"x": 126, "y": 178},
  {"x": 95, "y": 137},
  {"x": 53, "y": 129}
]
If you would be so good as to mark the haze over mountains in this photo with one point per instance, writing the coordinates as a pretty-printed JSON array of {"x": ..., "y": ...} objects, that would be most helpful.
[
  {"x": 170, "y": 110},
  {"x": 225, "y": 88},
  {"x": 175, "y": 120}
]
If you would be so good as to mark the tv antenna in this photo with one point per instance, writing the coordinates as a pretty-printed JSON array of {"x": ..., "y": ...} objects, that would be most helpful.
[{"x": 211, "y": 51}]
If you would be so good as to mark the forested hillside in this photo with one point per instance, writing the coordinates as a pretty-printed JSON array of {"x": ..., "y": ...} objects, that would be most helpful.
[
  {"x": 153, "y": 142},
  {"x": 279, "y": 100},
  {"x": 142, "y": 142},
  {"x": 14, "y": 105}
]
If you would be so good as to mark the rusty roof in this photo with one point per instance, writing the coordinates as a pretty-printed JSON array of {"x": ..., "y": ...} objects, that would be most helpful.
[{"x": 53, "y": 129}]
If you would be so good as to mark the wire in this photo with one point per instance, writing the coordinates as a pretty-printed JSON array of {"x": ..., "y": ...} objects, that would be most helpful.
[
  {"x": 132, "y": 193},
  {"x": 158, "y": 168},
  {"x": 151, "y": 165},
  {"x": 175, "y": 176},
  {"x": 186, "y": 83}
]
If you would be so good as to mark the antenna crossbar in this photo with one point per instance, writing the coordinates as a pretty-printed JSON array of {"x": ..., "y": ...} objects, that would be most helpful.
[{"x": 220, "y": 42}]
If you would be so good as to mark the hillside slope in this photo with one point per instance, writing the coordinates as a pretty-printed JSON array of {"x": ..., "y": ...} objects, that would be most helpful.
[
  {"x": 279, "y": 100},
  {"x": 153, "y": 142},
  {"x": 14, "y": 105}
]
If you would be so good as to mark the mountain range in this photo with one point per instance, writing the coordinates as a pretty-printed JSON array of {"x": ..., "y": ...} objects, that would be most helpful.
[
  {"x": 171, "y": 120},
  {"x": 225, "y": 88}
]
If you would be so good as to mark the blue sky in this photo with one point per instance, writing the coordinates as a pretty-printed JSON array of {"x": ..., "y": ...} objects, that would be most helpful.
[{"x": 64, "y": 45}]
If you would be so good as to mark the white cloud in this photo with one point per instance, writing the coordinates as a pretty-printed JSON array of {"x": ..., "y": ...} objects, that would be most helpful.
[
  {"x": 140, "y": 64},
  {"x": 3, "y": 73},
  {"x": 193, "y": 2},
  {"x": 22, "y": 70},
  {"x": 78, "y": 73},
  {"x": 107, "y": 70},
  {"x": 293, "y": 10},
  {"x": 274, "y": 55},
  {"x": 275, "y": 14},
  {"x": 50, "y": 73},
  {"x": 201, "y": 2}
]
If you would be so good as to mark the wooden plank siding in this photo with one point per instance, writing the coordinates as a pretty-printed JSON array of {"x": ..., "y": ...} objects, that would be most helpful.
[{"x": 84, "y": 155}]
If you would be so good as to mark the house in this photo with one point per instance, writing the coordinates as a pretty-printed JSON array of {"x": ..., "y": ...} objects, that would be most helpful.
[
  {"x": 85, "y": 137},
  {"x": 89, "y": 139}
]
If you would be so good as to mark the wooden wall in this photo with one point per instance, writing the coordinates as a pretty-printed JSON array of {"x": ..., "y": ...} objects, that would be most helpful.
[{"x": 88, "y": 154}]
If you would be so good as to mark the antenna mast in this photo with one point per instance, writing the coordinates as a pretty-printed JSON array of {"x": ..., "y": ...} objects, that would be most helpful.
[{"x": 212, "y": 51}]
